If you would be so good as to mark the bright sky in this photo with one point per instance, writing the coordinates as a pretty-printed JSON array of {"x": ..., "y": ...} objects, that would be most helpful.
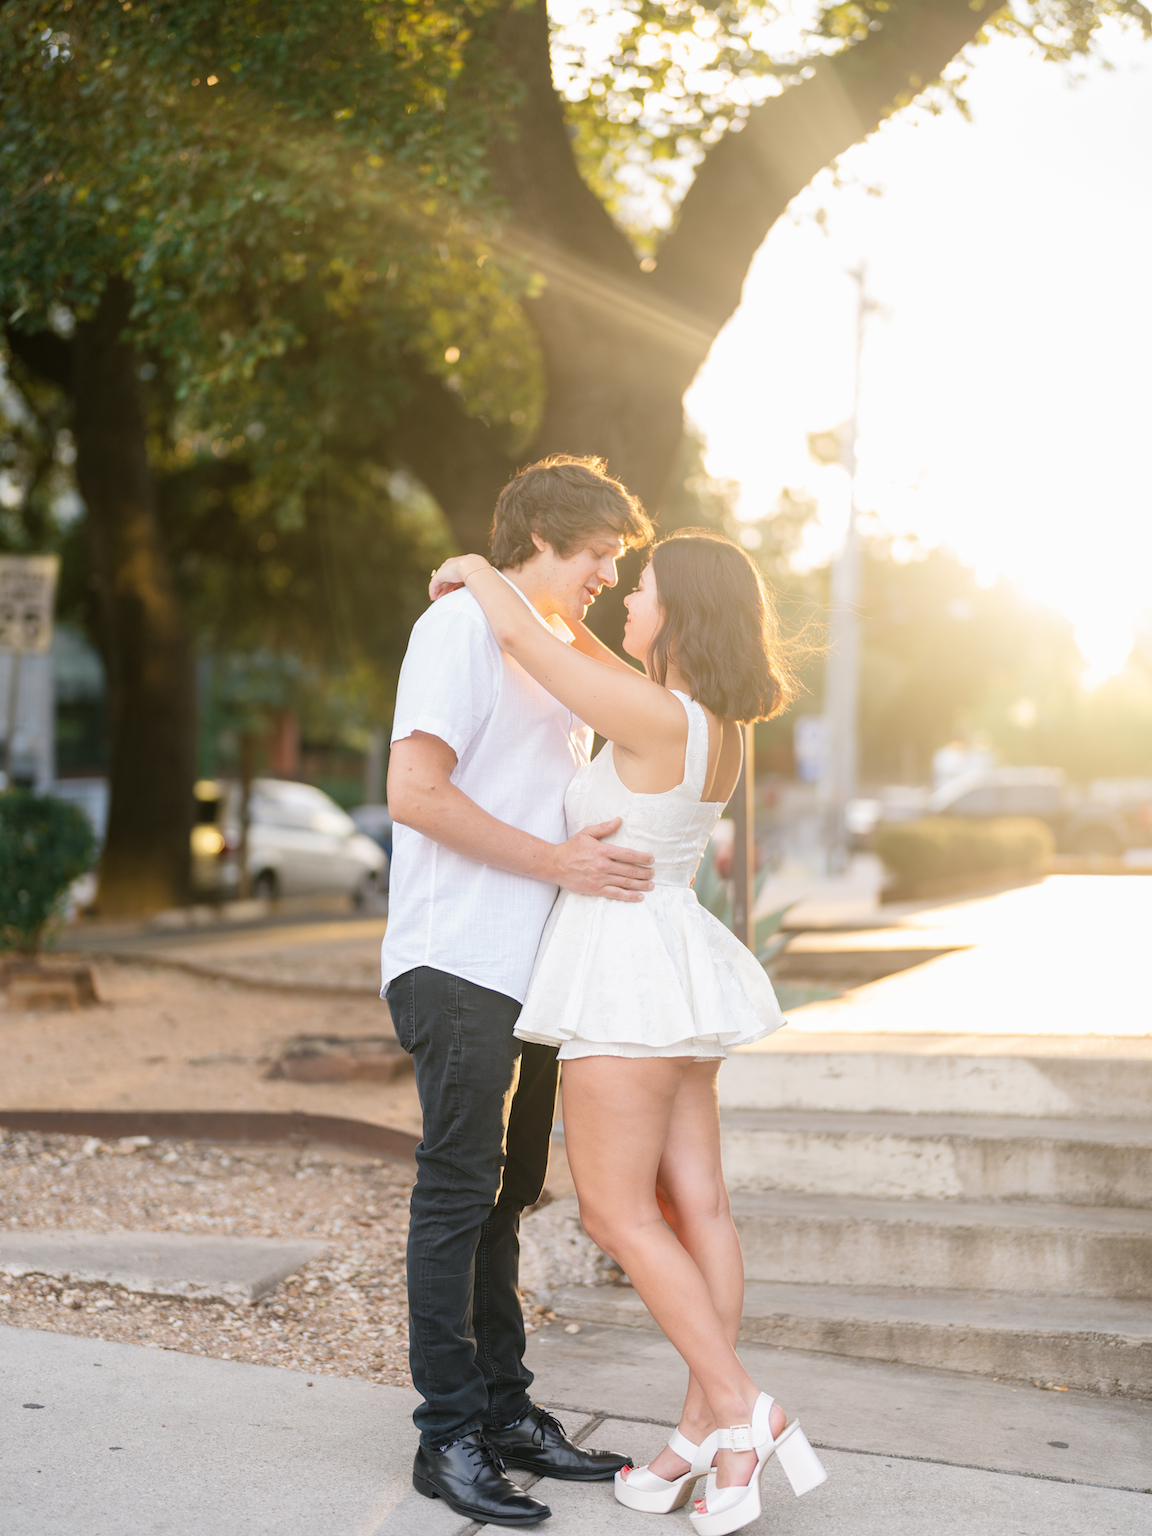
[{"x": 1006, "y": 403}]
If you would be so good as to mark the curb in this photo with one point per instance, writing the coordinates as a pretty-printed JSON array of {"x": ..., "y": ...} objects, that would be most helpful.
[
  {"x": 213, "y": 973},
  {"x": 230, "y": 1125}
]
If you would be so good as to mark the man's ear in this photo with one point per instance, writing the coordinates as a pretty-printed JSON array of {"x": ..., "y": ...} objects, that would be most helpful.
[{"x": 541, "y": 544}]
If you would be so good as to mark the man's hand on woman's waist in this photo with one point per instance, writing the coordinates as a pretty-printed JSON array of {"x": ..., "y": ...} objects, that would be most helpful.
[{"x": 588, "y": 866}]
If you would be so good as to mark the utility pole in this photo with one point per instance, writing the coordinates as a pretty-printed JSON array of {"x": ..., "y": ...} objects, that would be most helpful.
[
  {"x": 842, "y": 668},
  {"x": 744, "y": 844}
]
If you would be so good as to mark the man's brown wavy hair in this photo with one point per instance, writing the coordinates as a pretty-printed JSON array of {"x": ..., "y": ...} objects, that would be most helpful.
[
  {"x": 719, "y": 627},
  {"x": 565, "y": 501}
]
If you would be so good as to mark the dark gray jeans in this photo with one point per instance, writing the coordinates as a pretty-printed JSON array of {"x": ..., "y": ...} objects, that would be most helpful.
[{"x": 488, "y": 1101}]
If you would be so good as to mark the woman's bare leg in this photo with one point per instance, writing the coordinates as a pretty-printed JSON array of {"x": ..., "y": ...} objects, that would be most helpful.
[
  {"x": 619, "y": 1114},
  {"x": 693, "y": 1199}
]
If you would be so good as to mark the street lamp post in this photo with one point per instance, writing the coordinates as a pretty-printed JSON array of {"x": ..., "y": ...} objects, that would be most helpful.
[{"x": 842, "y": 669}]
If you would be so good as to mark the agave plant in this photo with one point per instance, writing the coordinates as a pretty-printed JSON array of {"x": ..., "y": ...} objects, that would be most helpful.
[{"x": 714, "y": 892}]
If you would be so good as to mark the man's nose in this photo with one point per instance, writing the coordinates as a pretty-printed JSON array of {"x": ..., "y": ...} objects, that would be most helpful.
[{"x": 607, "y": 573}]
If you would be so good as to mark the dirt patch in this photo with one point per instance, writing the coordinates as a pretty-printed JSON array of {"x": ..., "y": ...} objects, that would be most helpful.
[
  {"x": 163, "y": 1039},
  {"x": 343, "y": 1314}
]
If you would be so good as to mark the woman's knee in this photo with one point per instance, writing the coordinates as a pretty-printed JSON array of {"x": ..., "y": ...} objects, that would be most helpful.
[
  {"x": 693, "y": 1202},
  {"x": 614, "y": 1230},
  {"x": 599, "y": 1226}
]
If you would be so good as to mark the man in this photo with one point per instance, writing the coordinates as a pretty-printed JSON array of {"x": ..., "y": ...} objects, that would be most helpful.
[{"x": 481, "y": 758}]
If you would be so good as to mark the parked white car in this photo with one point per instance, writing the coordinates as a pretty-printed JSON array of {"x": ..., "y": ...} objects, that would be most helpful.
[{"x": 300, "y": 843}]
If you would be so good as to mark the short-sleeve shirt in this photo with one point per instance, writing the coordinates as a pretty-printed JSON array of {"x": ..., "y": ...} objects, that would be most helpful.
[{"x": 516, "y": 750}]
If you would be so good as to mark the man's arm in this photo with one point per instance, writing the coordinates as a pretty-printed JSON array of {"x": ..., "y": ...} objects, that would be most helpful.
[{"x": 421, "y": 795}]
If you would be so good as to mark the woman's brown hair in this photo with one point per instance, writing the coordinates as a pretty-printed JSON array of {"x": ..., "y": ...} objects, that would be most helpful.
[{"x": 719, "y": 628}]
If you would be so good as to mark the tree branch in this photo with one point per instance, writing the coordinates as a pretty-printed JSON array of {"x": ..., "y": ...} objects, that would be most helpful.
[
  {"x": 533, "y": 167},
  {"x": 456, "y": 456},
  {"x": 748, "y": 180},
  {"x": 44, "y": 354}
]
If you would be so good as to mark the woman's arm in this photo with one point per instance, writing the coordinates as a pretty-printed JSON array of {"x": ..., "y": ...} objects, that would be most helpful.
[
  {"x": 588, "y": 645},
  {"x": 616, "y": 701}
]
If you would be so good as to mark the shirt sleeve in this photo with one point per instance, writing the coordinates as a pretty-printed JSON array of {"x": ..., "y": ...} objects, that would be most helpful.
[{"x": 450, "y": 677}]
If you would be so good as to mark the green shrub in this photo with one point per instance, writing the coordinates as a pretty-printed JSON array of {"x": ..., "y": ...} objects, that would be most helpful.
[
  {"x": 44, "y": 845},
  {"x": 939, "y": 846}
]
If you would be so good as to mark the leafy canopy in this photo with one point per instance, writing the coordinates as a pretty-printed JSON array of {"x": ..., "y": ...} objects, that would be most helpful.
[
  {"x": 256, "y": 169},
  {"x": 295, "y": 192},
  {"x": 651, "y": 86}
]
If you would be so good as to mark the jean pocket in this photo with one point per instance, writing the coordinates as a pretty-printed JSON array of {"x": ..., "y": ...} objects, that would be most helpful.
[{"x": 401, "y": 998}]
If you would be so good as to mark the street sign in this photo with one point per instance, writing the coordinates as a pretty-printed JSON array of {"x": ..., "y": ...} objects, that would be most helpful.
[{"x": 27, "y": 598}]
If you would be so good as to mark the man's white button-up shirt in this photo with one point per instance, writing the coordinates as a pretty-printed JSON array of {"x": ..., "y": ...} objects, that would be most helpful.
[{"x": 516, "y": 750}]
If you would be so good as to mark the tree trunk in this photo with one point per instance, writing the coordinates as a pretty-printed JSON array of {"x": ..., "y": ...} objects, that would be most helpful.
[
  {"x": 147, "y": 651},
  {"x": 620, "y": 346}
]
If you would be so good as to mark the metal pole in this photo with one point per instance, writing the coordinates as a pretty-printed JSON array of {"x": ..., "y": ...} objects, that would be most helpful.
[
  {"x": 744, "y": 845},
  {"x": 843, "y": 667},
  {"x": 13, "y": 697},
  {"x": 247, "y": 768}
]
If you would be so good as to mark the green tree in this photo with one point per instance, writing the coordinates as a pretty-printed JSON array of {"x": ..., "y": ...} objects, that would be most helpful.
[
  {"x": 204, "y": 197},
  {"x": 944, "y": 658},
  {"x": 936, "y": 648}
]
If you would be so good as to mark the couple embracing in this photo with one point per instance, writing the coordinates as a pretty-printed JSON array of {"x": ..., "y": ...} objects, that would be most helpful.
[{"x": 541, "y": 912}]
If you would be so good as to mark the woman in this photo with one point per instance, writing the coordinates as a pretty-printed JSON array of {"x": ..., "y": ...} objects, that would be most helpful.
[{"x": 644, "y": 1000}]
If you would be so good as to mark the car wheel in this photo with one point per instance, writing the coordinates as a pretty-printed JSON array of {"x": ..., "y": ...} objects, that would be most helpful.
[
  {"x": 1100, "y": 841},
  {"x": 266, "y": 887},
  {"x": 366, "y": 890}
]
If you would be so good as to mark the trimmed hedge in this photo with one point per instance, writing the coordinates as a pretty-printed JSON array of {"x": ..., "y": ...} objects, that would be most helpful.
[
  {"x": 44, "y": 845},
  {"x": 938, "y": 846}
]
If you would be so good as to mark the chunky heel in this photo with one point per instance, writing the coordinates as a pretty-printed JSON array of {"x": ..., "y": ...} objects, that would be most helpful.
[
  {"x": 801, "y": 1465},
  {"x": 724, "y": 1510},
  {"x": 422, "y": 1485}
]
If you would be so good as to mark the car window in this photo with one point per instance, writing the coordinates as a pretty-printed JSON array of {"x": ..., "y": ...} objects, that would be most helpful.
[
  {"x": 273, "y": 811},
  {"x": 1035, "y": 799},
  {"x": 332, "y": 821},
  {"x": 983, "y": 801},
  {"x": 302, "y": 807}
]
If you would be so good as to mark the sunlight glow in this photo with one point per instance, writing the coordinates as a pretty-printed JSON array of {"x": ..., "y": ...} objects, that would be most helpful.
[{"x": 1006, "y": 389}]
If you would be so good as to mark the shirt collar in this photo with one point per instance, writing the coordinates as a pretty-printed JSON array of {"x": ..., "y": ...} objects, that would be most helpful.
[{"x": 553, "y": 622}]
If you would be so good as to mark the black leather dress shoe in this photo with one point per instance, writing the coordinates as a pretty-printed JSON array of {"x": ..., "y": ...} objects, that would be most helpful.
[
  {"x": 469, "y": 1476},
  {"x": 538, "y": 1444}
]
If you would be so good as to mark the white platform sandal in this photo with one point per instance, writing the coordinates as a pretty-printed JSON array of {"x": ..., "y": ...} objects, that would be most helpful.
[
  {"x": 653, "y": 1495},
  {"x": 723, "y": 1510}
]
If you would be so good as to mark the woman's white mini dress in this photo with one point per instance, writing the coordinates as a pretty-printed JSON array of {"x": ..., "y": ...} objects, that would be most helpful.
[{"x": 659, "y": 977}]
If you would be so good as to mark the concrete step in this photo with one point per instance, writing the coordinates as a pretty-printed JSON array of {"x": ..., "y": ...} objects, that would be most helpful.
[
  {"x": 1058, "y": 1250},
  {"x": 940, "y": 1075},
  {"x": 940, "y": 1157},
  {"x": 1102, "y": 1346},
  {"x": 866, "y": 955}
]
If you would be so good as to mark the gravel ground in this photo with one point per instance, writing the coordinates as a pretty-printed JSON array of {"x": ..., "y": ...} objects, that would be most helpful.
[{"x": 343, "y": 1314}]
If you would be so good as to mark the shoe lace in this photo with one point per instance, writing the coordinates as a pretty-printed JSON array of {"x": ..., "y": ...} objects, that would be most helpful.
[
  {"x": 486, "y": 1453},
  {"x": 544, "y": 1422}
]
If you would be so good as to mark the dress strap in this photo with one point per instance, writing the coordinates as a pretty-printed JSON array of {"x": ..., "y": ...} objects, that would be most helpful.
[{"x": 696, "y": 750}]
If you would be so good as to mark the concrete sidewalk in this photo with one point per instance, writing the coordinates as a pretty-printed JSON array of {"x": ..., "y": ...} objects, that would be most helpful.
[
  {"x": 126, "y": 1441},
  {"x": 1066, "y": 956}
]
